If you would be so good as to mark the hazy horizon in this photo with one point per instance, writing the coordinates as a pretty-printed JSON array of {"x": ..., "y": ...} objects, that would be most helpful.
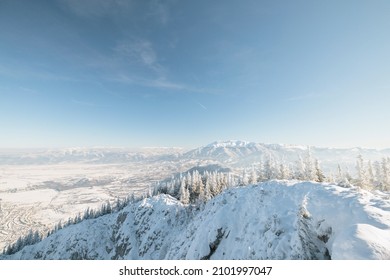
[{"x": 177, "y": 147}]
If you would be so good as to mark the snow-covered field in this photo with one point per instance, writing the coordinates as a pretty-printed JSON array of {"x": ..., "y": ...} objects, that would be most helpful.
[{"x": 39, "y": 196}]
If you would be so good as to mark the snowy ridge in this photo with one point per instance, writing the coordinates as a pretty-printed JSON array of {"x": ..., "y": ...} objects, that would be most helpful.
[
  {"x": 242, "y": 154},
  {"x": 230, "y": 143},
  {"x": 272, "y": 220}
]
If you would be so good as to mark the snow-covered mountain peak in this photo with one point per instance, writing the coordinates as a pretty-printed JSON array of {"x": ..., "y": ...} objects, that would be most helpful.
[
  {"x": 272, "y": 220},
  {"x": 229, "y": 144}
]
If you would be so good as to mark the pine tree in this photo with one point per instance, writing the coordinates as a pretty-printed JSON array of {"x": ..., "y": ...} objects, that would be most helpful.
[
  {"x": 212, "y": 181},
  {"x": 231, "y": 181},
  {"x": 184, "y": 194},
  {"x": 370, "y": 175},
  {"x": 260, "y": 173},
  {"x": 362, "y": 177},
  {"x": 207, "y": 191},
  {"x": 320, "y": 177},
  {"x": 299, "y": 173},
  {"x": 223, "y": 181},
  {"x": 201, "y": 195},
  {"x": 284, "y": 171},
  {"x": 200, "y": 185},
  {"x": 339, "y": 173},
  {"x": 269, "y": 168},
  {"x": 309, "y": 169},
  {"x": 37, "y": 237},
  {"x": 244, "y": 178},
  {"x": 253, "y": 176},
  {"x": 183, "y": 198},
  {"x": 379, "y": 183}
]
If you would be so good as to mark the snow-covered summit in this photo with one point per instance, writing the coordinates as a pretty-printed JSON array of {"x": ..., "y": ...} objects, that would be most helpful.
[
  {"x": 235, "y": 153},
  {"x": 272, "y": 220},
  {"x": 225, "y": 151},
  {"x": 230, "y": 143}
]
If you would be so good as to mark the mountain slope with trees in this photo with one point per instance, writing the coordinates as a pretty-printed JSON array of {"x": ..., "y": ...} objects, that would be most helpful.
[{"x": 270, "y": 220}]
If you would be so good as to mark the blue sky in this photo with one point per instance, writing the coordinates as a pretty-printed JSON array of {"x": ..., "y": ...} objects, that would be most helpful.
[{"x": 185, "y": 73}]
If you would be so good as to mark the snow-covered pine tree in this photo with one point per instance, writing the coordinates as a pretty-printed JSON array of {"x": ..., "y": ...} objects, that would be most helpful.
[
  {"x": 269, "y": 168},
  {"x": 282, "y": 173},
  {"x": 207, "y": 191},
  {"x": 244, "y": 178},
  {"x": 199, "y": 185},
  {"x": 30, "y": 238},
  {"x": 253, "y": 176},
  {"x": 309, "y": 168},
  {"x": 260, "y": 172},
  {"x": 220, "y": 181},
  {"x": 231, "y": 180},
  {"x": 379, "y": 183},
  {"x": 340, "y": 176},
  {"x": 361, "y": 173},
  {"x": 194, "y": 183},
  {"x": 299, "y": 173},
  {"x": 286, "y": 172},
  {"x": 370, "y": 176},
  {"x": 215, "y": 183},
  {"x": 319, "y": 175},
  {"x": 184, "y": 194}
]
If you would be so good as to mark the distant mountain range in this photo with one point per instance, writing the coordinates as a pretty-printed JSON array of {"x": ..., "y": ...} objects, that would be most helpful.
[
  {"x": 86, "y": 155},
  {"x": 240, "y": 153},
  {"x": 227, "y": 153}
]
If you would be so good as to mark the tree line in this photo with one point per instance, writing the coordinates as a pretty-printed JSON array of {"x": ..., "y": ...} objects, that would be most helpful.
[
  {"x": 197, "y": 187},
  {"x": 372, "y": 175},
  {"x": 36, "y": 236}
]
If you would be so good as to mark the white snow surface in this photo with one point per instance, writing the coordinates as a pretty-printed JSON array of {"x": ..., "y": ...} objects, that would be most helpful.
[{"x": 271, "y": 220}]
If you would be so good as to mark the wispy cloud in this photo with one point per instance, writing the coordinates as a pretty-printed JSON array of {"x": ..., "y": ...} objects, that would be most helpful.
[{"x": 141, "y": 51}]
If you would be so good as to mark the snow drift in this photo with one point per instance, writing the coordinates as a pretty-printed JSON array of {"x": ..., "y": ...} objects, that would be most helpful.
[{"x": 272, "y": 220}]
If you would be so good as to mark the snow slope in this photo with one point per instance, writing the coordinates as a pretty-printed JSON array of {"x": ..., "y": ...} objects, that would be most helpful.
[{"x": 272, "y": 220}]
